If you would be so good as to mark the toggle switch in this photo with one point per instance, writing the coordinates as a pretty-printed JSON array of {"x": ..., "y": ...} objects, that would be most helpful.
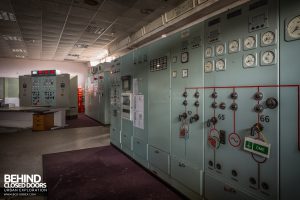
[
  {"x": 214, "y": 105},
  {"x": 196, "y": 95},
  {"x": 234, "y": 95},
  {"x": 185, "y": 94},
  {"x": 222, "y": 106},
  {"x": 234, "y": 106},
  {"x": 258, "y": 96},
  {"x": 194, "y": 118},
  {"x": 182, "y": 116},
  {"x": 213, "y": 120},
  {"x": 214, "y": 95},
  {"x": 258, "y": 108},
  {"x": 185, "y": 102},
  {"x": 197, "y": 103}
]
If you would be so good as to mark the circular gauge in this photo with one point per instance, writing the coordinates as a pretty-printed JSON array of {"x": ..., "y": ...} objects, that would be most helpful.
[
  {"x": 268, "y": 38},
  {"x": 249, "y": 42},
  {"x": 208, "y": 52},
  {"x": 208, "y": 67},
  {"x": 234, "y": 46},
  {"x": 293, "y": 28},
  {"x": 220, "y": 49},
  {"x": 220, "y": 65},
  {"x": 268, "y": 57},
  {"x": 249, "y": 60}
]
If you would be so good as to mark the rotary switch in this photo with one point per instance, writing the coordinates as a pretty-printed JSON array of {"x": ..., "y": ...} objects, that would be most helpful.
[
  {"x": 182, "y": 116},
  {"x": 234, "y": 95},
  {"x": 214, "y": 95},
  {"x": 194, "y": 118},
  {"x": 222, "y": 106},
  {"x": 185, "y": 94},
  {"x": 272, "y": 103},
  {"x": 258, "y": 108},
  {"x": 196, "y": 95},
  {"x": 234, "y": 106},
  {"x": 185, "y": 102},
  {"x": 258, "y": 96},
  {"x": 213, "y": 120},
  {"x": 197, "y": 103},
  {"x": 214, "y": 105}
]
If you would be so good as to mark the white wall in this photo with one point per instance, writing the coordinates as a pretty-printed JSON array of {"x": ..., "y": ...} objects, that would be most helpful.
[{"x": 17, "y": 67}]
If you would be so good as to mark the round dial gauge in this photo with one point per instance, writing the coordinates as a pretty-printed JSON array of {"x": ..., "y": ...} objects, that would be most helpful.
[
  {"x": 220, "y": 49},
  {"x": 249, "y": 42},
  {"x": 208, "y": 67},
  {"x": 208, "y": 52},
  {"x": 268, "y": 57},
  {"x": 268, "y": 37},
  {"x": 234, "y": 46},
  {"x": 293, "y": 28},
  {"x": 220, "y": 65},
  {"x": 249, "y": 60}
]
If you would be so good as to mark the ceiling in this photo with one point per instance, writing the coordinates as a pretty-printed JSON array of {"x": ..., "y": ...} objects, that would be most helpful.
[{"x": 79, "y": 30}]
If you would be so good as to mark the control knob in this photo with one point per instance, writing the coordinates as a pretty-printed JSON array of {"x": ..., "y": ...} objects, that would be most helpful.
[
  {"x": 272, "y": 103},
  {"x": 196, "y": 95},
  {"x": 258, "y": 108},
  {"x": 197, "y": 103},
  {"x": 214, "y": 95},
  {"x": 222, "y": 106},
  {"x": 185, "y": 94},
  {"x": 234, "y": 95},
  {"x": 234, "y": 106},
  {"x": 258, "y": 96}
]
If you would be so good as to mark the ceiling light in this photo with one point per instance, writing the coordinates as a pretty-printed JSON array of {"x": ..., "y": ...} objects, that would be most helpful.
[
  {"x": 91, "y": 2},
  {"x": 19, "y": 50},
  {"x": 81, "y": 45},
  {"x": 163, "y": 35},
  {"x": 94, "y": 29},
  {"x": 19, "y": 56},
  {"x": 147, "y": 11},
  {"x": 12, "y": 38},
  {"x": 7, "y": 16},
  {"x": 73, "y": 55}
]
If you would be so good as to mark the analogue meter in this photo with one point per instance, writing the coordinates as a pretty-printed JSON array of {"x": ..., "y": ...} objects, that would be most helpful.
[
  {"x": 268, "y": 57},
  {"x": 249, "y": 60},
  {"x": 234, "y": 46},
  {"x": 220, "y": 65},
  {"x": 293, "y": 28},
  {"x": 268, "y": 38},
  {"x": 220, "y": 49},
  {"x": 250, "y": 42},
  {"x": 208, "y": 52},
  {"x": 208, "y": 66}
]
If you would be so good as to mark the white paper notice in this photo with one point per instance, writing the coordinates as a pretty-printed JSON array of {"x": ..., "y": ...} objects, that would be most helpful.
[
  {"x": 135, "y": 86},
  {"x": 138, "y": 117}
]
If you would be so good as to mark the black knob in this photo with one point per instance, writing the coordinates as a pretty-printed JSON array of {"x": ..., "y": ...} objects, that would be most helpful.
[
  {"x": 258, "y": 108},
  {"x": 258, "y": 96},
  {"x": 234, "y": 173},
  {"x": 271, "y": 103},
  {"x": 222, "y": 106},
  {"x": 197, "y": 103},
  {"x": 252, "y": 181},
  {"x": 214, "y": 120},
  {"x": 214, "y": 95},
  {"x": 219, "y": 167},
  {"x": 185, "y": 94},
  {"x": 214, "y": 105},
  {"x": 234, "y": 106},
  {"x": 185, "y": 103},
  {"x": 265, "y": 186},
  {"x": 194, "y": 118},
  {"x": 182, "y": 116},
  {"x": 234, "y": 95},
  {"x": 210, "y": 163},
  {"x": 196, "y": 95}
]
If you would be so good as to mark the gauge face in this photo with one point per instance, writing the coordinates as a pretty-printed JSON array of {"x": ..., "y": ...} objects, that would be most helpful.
[
  {"x": 249, "y": 42},
  {"x": 220, "y": 65},
  {"x": 220, "y": 49},
  {"x": 233, "y": 46},
  {"x": 268, "y": 38},
  {"x": 250, "y": 60},
  {"x": 268, "y": 57},
  {"x": 208, "y": 66},
  {"x": 208, "y": 52},
  {"x": 293, "y": 28}
]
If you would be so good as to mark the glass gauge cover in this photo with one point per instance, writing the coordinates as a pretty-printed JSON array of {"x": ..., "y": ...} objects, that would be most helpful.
[
  {"x": 268, "y": 38},
  {"x": 249, "y": 60},
  {"x": 268, "y": 57},
  {"x": 249, "y": 42},
  {"x": 208, "y": 66},
  {"x": 293, "y": 28},
  {"x": 234, "y": 46},
  {"x": 220, "y": 49},
  {"x": 220, "y": 65},
  {"x": 208, "y": 52}
]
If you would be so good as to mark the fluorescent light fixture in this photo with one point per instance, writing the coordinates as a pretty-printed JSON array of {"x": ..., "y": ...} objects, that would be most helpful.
[
  {"x": 163, "y": 35},
  {"x": 19, "y": 56},
  {"x": 7, "y": 16},
  {"x": 93, "y": 63},
  {"x": 58, "y": 71},
  {"x": 19, "y": 50},
  {"x": 12, "y": 38},
  {"x": 81, "y": 45}
]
